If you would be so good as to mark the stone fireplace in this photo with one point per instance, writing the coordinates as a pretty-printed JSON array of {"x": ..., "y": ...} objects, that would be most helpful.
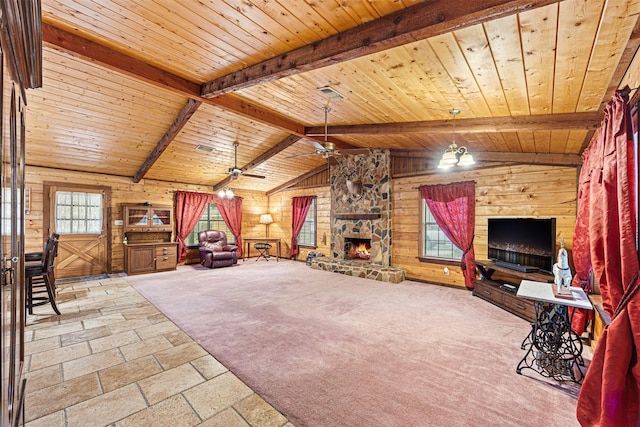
[
  {"x": 366, "y": 215},
  {"x": 361, "y": 207}
]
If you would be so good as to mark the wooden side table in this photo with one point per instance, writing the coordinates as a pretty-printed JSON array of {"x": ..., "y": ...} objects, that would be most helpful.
[{"x": 248, "y": 240}]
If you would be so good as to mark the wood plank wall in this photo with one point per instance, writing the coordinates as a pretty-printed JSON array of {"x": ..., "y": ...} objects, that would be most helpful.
[
  {"x": 125, "y": 191},
  {"x": 531, "y": 191},
  {"x": 509, "y": 191},
  {"x": 280, "y": 208},
  {"x": 506, "y": 191}
]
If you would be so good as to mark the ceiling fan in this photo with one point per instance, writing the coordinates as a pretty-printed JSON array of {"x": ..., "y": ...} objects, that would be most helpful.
[
  {"x": 328, "y": 149},
  {"x": 235, "y": 171}
]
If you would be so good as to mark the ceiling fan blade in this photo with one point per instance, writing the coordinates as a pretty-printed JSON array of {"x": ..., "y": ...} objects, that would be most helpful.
[
  {"x": 316, "y": 144},
  {"x": 333, "y": 161},
  {"x": 250, "y": 175}
]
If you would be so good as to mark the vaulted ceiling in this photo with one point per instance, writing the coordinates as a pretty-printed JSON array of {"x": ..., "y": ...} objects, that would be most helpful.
[{"x": 133, "y": 87}]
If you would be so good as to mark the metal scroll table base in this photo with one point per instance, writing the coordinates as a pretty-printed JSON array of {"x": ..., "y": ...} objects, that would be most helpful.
[{"x": 554, "y": 350}]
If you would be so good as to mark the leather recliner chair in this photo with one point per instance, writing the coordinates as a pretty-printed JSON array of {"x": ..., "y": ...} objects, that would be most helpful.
[{"x": 214, "y": 249}]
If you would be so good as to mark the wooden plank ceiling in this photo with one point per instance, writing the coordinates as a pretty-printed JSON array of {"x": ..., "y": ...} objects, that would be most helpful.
[{"x": 133, "y": 87}]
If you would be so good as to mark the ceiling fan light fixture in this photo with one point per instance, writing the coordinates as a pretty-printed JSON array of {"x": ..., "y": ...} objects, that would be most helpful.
[{"x": 235, "y": 172}]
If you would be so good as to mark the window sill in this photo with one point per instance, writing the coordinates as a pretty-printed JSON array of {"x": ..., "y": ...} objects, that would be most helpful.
[{"x": 439, "y": 261}]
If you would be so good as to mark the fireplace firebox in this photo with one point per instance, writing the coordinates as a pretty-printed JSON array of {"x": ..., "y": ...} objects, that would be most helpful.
[{"x": 356, "y": 249}]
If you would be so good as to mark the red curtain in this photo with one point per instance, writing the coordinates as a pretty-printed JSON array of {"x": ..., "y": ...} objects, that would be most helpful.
[
  {"x": 454, "y": 209},
  {"x": 581, "y": 252},
  {"x": 231, "y": 211},
  {"x": 300, "y": 207},
  {"x": 189, "y": 209},
  {"x": 610, "y": 393}
]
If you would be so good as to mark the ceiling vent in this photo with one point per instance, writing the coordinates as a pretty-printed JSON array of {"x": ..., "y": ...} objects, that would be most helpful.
[
  {"x": 205, "y": 148},
  {"x": 331, "y": 92}
]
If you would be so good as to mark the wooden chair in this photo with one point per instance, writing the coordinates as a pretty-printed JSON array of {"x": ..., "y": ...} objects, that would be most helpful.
[{"x": 40, "y": 277}]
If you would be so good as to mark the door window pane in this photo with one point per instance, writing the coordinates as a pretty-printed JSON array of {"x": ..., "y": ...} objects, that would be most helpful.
[{"x": 78, "y": 212}]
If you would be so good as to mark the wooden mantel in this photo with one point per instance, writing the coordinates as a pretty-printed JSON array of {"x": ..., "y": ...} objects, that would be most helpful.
[{"x": 357, "y": 216}]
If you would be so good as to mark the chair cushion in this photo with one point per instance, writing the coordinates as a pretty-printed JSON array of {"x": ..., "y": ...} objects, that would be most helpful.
[
  {"x": 213, "y": 246},
  {"x": 221, "y": 255}
]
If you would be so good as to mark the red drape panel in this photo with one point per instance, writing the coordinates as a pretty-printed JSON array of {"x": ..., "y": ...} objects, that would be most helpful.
[
  {"x": 300, "y": 207},
  {"x": 189, "y": 209},
  {"x": 610, "y": 393},
  {"x": 581, "y": 252},
  {"x": 231, "y": 211},
  {"x": 454, "y": 209}
]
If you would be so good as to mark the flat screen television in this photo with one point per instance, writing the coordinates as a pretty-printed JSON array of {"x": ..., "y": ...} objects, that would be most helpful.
[{"x": 523, "y": 241}]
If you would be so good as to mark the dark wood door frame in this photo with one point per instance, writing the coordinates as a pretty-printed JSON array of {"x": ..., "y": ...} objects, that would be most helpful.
[{"x": 46, "y": 211}]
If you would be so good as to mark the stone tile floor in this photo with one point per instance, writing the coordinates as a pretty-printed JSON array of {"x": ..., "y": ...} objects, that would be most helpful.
[{"x": 113, "y": 359}]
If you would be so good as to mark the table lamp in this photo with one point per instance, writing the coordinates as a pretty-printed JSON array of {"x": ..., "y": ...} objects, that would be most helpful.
[{"x": 266, "y": 219}]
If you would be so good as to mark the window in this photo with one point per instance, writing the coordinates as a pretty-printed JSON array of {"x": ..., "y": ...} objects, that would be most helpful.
[
  {"x": 435, "y": 242},
  {"x": 6, "y": 211},
  {"x": 211, "y": 219},
  {"x": 307, "y": 236},
  {"x": 78, "y": 212}
]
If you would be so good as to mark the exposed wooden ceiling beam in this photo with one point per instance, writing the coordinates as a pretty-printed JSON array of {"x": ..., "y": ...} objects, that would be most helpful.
[
  {"x": 567, "y": 121},
  {"x": 414, "y": 23},
  {"x": 223, "y": 183},
  {"x": 298, "y": 179},
  {"x": 280, "y": 146},
  {"x": 183, "y": 117},
  {"x": 77, "y": 46},
  {"x": 490, "y": 158},
  {"x": 549, "y": 159}
]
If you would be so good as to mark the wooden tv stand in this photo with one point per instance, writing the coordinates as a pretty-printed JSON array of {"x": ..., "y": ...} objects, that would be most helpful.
[{"x": 492, "y": 290}]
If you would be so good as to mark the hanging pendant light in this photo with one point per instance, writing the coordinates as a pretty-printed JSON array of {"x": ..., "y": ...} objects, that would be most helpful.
[
  {"x": 455, "y": 155},
  {"x": 226, "y": 193}
]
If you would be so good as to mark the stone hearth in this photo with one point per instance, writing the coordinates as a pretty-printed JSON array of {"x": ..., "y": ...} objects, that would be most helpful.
[{"x": 360, "y": 269}]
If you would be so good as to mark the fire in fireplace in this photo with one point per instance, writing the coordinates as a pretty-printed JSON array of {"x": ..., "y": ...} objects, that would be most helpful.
[{"x": 357, "y": 249}]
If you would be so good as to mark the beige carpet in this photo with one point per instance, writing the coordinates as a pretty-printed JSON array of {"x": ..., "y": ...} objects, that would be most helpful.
[{"x": 331, "y": 350}]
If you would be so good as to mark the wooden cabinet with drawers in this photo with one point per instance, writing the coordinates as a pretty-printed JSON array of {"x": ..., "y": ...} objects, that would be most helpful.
[
  {"x": 166, "y": 256},
  {"x": 491, "y": 287},
  {"x": 143, "y": 258},
  {"x": 148, "y": 231}
]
